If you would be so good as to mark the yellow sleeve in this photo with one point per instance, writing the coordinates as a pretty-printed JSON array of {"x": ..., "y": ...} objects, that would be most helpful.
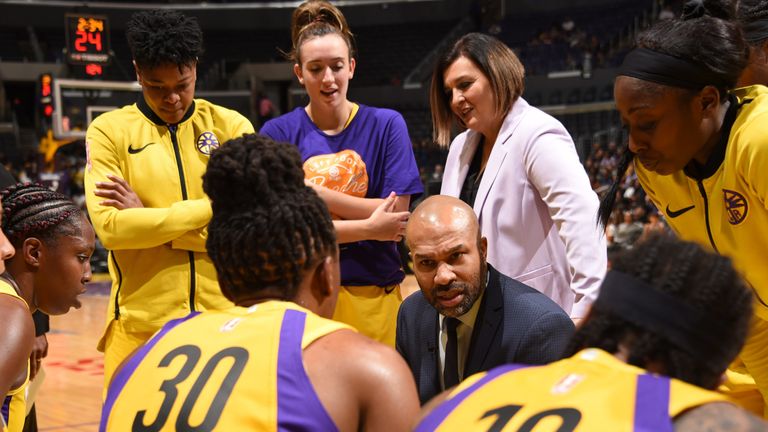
[
  {"x": 241, "y": 127},
  {"x": 192, "y": 240},
  {"x": 752, "y": 160},
  {"x": 137, "y": 228}
]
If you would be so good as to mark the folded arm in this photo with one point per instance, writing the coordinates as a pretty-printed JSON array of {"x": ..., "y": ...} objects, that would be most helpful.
[
  {"x": 383, "y": 224},
  {"x": 352, "y": 207},
  {"x": 118, "y": 214}
]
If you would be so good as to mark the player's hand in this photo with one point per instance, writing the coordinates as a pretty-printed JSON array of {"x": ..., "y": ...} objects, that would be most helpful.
[
  {"x": 118, "y": 194},
  {"x": 386, "y": 225},
  {"x": 39, "y": 352},
  {"x": 319, "y": 190}
]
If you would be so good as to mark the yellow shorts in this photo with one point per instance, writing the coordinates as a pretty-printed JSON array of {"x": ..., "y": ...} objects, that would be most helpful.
[
  {"x": 741, "y": 388},
  {"x": 372, "y": 310},
  {"x": 754, "y": 355},
  {"x": 117, "y": 345}
]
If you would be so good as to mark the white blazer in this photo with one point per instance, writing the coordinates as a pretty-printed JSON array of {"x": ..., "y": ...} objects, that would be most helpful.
[{"x": 535, "y": 207}]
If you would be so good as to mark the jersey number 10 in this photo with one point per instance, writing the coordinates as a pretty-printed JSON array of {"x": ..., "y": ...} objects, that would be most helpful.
[{"x": 570, "y": 418}]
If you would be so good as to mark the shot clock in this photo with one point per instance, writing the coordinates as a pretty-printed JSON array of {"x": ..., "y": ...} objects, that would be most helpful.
[{"x": 87, "y": 39}]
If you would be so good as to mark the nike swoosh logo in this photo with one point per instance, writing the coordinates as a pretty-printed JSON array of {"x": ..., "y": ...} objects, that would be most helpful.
[
  {"x": 675, "y": 213},
  {"x": 132, "y": 150}
]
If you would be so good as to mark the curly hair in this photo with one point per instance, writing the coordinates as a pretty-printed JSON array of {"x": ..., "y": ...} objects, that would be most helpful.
[
  {"x": 267, "y": 228},
  {"x": 160, "y": 37},
  {"x": 316, "y": 18},
  {"x": 32, "y": 210},
  {"x": 705, "y": 281}
]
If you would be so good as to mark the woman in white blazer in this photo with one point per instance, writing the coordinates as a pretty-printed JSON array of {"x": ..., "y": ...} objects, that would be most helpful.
[{"x": 518, "y": 168}]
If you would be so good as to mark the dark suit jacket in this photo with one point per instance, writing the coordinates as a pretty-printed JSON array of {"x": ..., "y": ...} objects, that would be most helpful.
[{"x": 515, "y": 324}]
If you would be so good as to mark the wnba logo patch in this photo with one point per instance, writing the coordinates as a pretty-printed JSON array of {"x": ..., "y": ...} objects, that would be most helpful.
[
  {"x": 207, "y": 143},
  {"x": 736, "y": 206}
]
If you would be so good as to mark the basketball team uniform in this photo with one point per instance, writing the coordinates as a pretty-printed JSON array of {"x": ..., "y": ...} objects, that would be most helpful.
[
  {"x": 158, "y": 263},
  {"x": 13, "y": 410},
  {"x": 234, "y": 370},
  {"x": 370, "y": 158},
  {"x": 591, "y": 391},
  {"x": 722, "y": 206}
]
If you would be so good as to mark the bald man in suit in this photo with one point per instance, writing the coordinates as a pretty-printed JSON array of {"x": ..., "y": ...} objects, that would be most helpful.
[{"x": 468, "y": 317}]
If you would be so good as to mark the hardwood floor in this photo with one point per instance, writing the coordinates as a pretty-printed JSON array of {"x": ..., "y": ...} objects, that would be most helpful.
[{"x": 69, "y": 398}]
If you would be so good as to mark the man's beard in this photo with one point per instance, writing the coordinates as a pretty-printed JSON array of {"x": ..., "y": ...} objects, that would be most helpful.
[{"x": 466, "y": 288}]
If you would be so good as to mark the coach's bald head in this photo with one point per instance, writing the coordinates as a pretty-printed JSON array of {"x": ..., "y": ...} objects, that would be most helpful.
[
  {"x": 441, "y": 213},
  {"x": 448, "y": 254}
]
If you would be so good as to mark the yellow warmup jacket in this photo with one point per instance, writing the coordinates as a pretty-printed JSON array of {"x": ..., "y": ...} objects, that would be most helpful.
[
  {"x": 722, "y": 206},
  {"x": 158, "y": 263}
]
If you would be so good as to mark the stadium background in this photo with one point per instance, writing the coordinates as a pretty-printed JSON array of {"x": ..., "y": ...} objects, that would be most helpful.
[{"x": 570, "y": 50}]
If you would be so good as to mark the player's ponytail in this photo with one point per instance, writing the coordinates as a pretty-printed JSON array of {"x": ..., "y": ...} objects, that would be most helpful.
[
  {"x": 315, "y": 18},
  {"x": 609, "y": 199}
]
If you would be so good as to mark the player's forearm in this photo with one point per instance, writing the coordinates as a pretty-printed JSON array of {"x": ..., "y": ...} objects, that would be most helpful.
[
  {"x": 347, "y": 206},
  {"x": 191, "y": 240},
  {"x": 141, "y": 228},
  {"x": 348, "y": 231}
]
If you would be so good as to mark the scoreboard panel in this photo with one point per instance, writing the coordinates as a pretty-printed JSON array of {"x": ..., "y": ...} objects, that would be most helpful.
[{"x": 87, "y": 39}]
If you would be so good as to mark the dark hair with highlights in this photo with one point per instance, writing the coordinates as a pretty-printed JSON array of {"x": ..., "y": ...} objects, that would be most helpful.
[
  {"x": 316, "y": 18},
  {"x": 161, "y": 37},
  {"x": 495, "y": 60},
  {"x": 705, "y": 281},
  {"x": 32, "y": 210},
  {"x": 268, "y": 228}
]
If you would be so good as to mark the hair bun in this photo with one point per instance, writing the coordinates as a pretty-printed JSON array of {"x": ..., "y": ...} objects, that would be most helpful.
[
  {"x": 315, "y": 18},
  {"x": 722, "y": 9},
  {"x": 693, "y": 9},
  {"x": 253, "y": 171}
]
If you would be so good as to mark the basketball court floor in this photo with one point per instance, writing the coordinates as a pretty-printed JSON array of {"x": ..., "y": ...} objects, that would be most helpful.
[{"x": 69, "y": 397}]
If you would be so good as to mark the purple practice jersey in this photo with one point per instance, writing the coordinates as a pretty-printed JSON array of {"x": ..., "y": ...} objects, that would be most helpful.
[{"x": 372, "y": 157}]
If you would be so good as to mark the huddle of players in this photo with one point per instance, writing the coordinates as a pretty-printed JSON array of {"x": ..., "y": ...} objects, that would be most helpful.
[{"x": 668, "y": 321}]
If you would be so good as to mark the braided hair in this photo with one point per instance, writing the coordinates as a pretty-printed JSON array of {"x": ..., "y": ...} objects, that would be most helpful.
[
  {"x": 267, "y": 228},
  {"x": 753, "y": 15},
  {"x": 159, "y": 37},
  {"x": 705, "y": 281},
  {"x": 32, "y": 210}
]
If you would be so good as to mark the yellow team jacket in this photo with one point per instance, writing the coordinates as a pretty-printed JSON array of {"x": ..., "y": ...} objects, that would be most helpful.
[
  {"x": 158, "y": 263},
  {"x": 591, "y": 392},
  {"x": 723, "y": 207},
  {"x": 14, "y": 406},
  {"x": 235, "y": 370}
]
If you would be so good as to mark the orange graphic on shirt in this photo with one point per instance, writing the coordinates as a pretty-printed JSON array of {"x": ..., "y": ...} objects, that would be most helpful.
[{"x": 343, "y": 172}]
